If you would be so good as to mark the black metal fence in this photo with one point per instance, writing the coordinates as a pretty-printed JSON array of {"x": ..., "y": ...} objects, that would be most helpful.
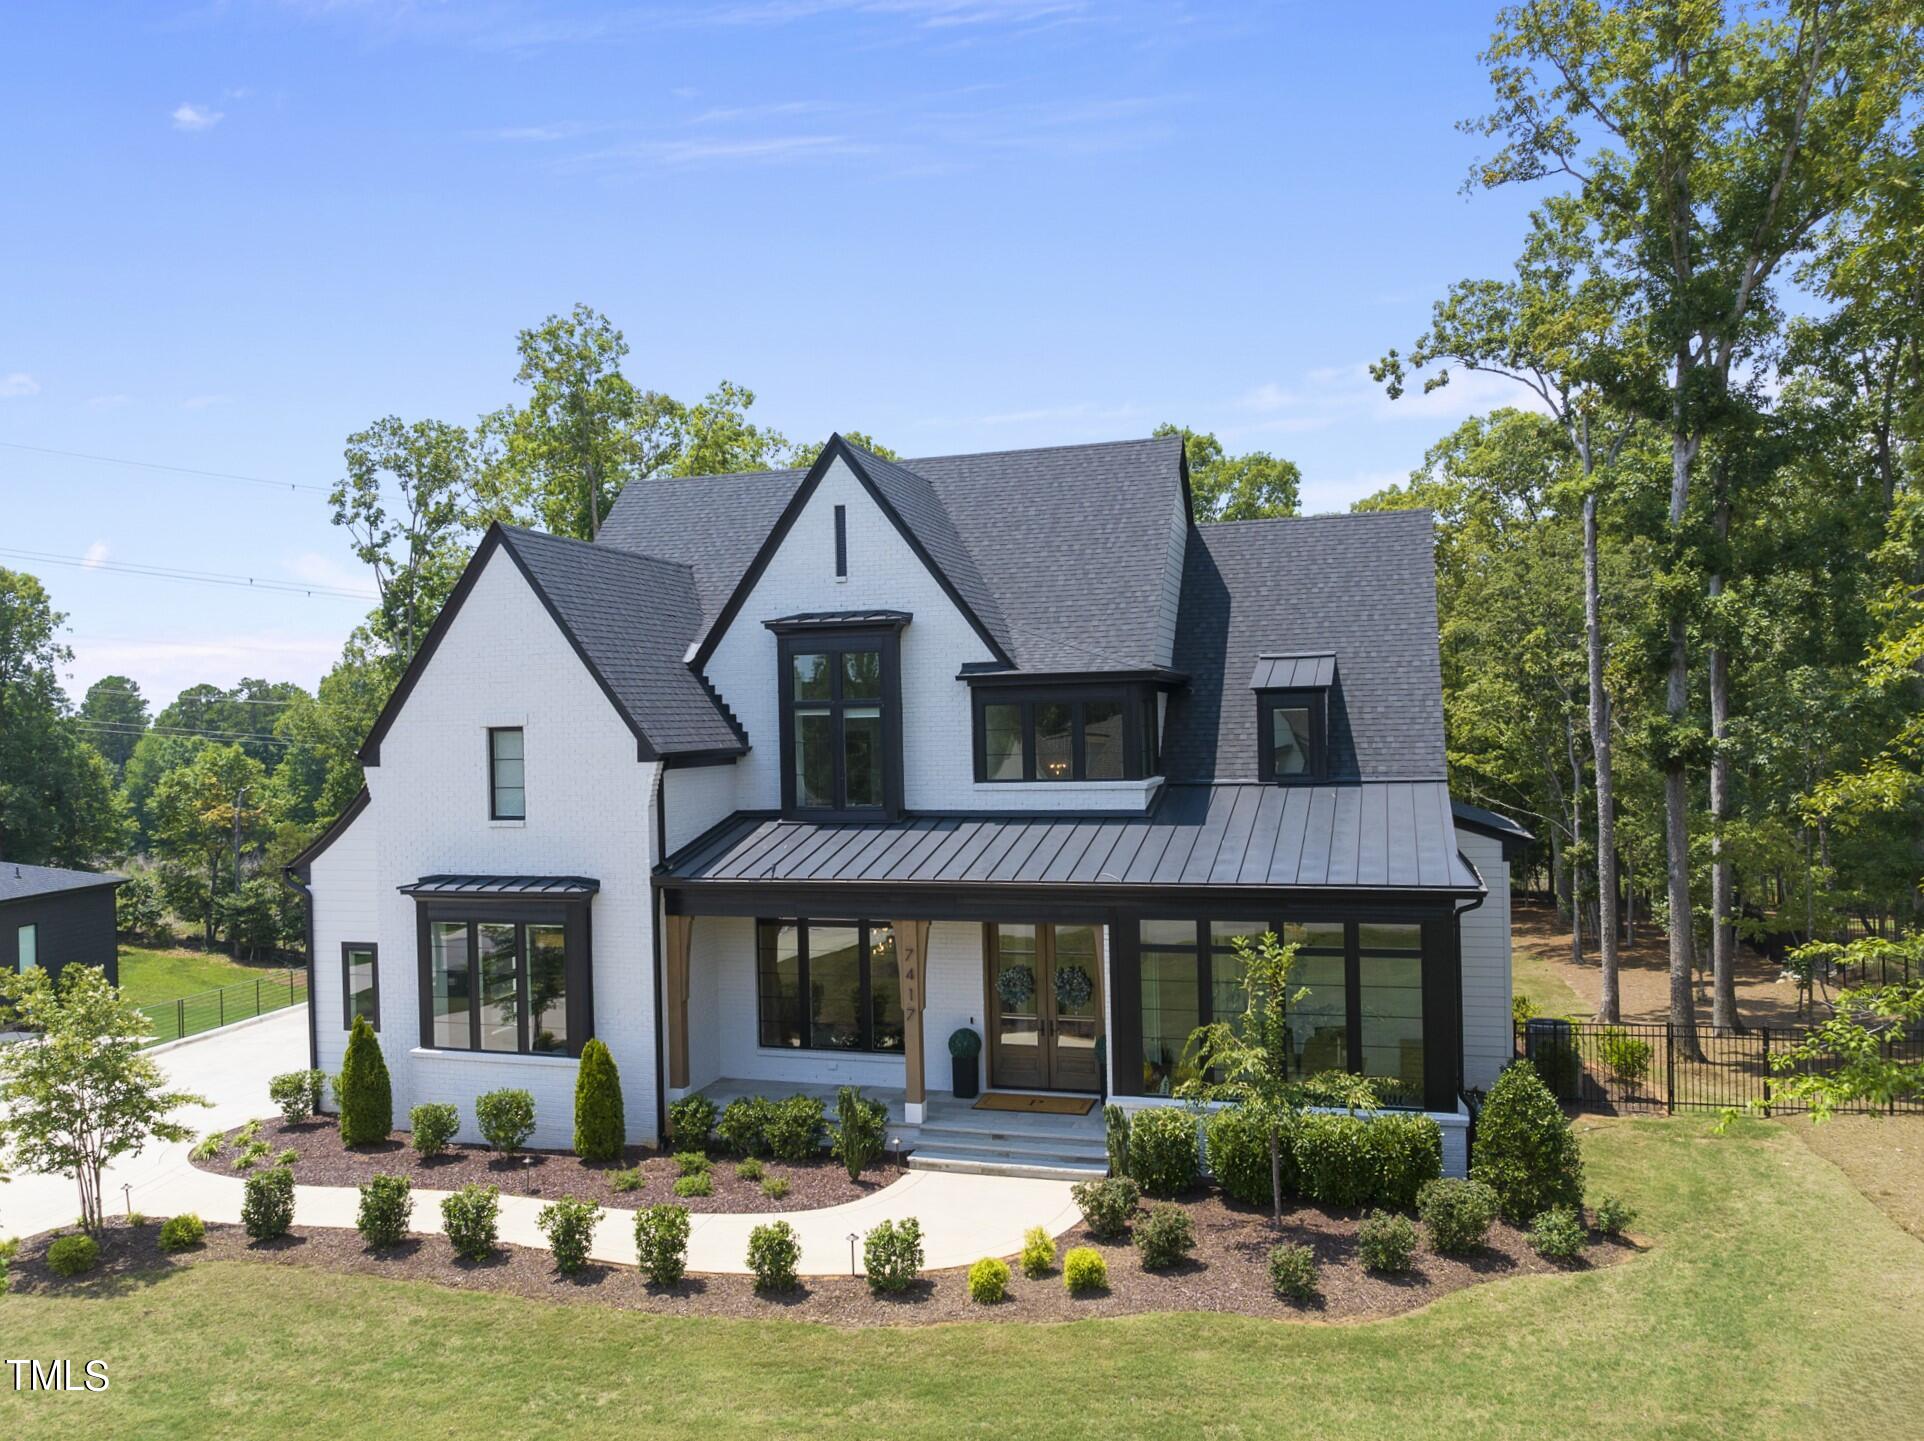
[
  {"x": 190, "y": 1015},
  {"x": 1645, "y": 1067}
]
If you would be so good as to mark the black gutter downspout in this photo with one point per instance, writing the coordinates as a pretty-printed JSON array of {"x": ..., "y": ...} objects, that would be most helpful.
[
  {"x": 297, "y": 881},
  {"x": 1469, "y": 1136},
  {"x": 657, "y": 912}
]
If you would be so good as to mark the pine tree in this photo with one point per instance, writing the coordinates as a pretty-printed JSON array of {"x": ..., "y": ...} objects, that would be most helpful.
[
  {"x": 599, "y": 1125},
  {"x": 365, "y": 1095}
]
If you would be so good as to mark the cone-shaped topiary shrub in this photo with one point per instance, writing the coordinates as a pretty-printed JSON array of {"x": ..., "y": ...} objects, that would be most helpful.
[
  {"x": 599, "y": 1126},
  {"x": 1525, "y": 1150},
  {"x": 365, "y": 1095}
]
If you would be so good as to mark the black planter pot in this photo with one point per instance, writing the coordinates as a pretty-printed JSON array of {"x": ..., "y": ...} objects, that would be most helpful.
[{"x": 968, "y": 1077}]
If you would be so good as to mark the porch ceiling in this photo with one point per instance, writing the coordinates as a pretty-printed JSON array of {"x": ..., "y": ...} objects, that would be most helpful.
[{"x": 1378, "y": 836}]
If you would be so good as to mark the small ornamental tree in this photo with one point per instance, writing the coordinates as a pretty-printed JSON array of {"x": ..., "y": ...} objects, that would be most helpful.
[
  {"x": 364, "y": 1093},
  {"x": 1525, "y": 1150},
  {"x": 600, "y": 1128},
  {"x": 1845, "y": 1060},
  {"x": 1254, "y": 1057},
  {"x": 83, "y": 1094}
]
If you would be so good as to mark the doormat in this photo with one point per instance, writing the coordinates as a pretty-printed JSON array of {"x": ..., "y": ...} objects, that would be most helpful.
[{"x": 1036, "y": 1105}]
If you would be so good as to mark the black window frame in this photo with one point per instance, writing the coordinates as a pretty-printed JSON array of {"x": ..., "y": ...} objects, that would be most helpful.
[
  {"x": 574, "y": 917},
  {"x": 865, "y": 945},
  {"x": 836, "y": 641},
  {"x": 1141, "y": 759},
  {"x": 1316, "y": 701},
  {"x": 348, "y": 948},
  {"x": 841, "y": 542},
  {"x": 494, "y": 782}
]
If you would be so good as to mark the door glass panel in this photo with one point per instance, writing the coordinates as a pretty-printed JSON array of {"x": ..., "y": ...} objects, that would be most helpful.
[
  {"x": 1002, "y": 742},
  {"x": 779, "y": 965},
  {"x": 884, "y": 989},
  {"x": 450, "y": 981},
  {"x": 499, "y": 971},
  {"x": 1054, "y": 742},
  {"x": 814, "y": 758},
  {"x": 1102, "y": 740},
  {"x": 812, "y": 676},
  {"x": 1073, "y": 981},
  {"x": 547, "y": 989},
  {"x": 835, "y": 987},
  {"x": 862, "y": 754},
  {"x": 861, "y": 675},
  {"x": 1018, "y": 989},
  {"x": 1169, "y": 1014}
]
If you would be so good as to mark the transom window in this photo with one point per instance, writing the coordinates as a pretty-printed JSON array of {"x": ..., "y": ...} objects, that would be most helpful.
[
  {"x": 841, "y": 723},
  {"x": 513, "y": 980},
  {"x": 507, "y": 791},
  {"x": 1064, "y": 735},
  {"x": 828, "y": 985},
  {"x": 360, "y": 984},
  {"x": 1292, "y": 735}
]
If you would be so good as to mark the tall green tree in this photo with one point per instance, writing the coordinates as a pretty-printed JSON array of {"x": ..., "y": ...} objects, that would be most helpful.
[
  {"x": 1707, "y": 147},
  {"x": 718, "y": 438},
  {"x": 208, "y": 815},
  {"x": 804, "y": 454},
  {"x": 118, "y": 715},
  {"x": 1253, "y": 486}
]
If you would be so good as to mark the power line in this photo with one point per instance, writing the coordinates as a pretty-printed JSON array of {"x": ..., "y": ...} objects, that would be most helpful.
[
  {"x": 223, "y": 699},
  {"x": 127, "y": 728},
  {"x": 289, "y": 485},
  {"x": 199, "y": 577}
]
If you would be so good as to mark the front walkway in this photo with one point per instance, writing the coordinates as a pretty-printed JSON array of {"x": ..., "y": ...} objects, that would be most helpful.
[{"x": 963, "y": 1217}]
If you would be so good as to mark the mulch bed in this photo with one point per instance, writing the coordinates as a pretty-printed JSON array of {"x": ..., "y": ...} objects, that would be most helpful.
[
  {"x": 1228, "y": 1273},
  {"x": 324, "y": 1161}
]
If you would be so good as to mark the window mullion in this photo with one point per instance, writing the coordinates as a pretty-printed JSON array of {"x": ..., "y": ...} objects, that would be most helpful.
[
  {"x": 524, "y": 1042},
  {"x": 863, "y": 1023},
  {"x": 804, "y": 1012},
  {"x": 1353, "y": 995},
  {"x": 474, "y": 986}
]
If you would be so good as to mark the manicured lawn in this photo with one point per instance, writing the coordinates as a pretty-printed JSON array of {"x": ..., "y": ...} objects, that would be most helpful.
[
  {"x": 148, "y": 975},
  {"x": 1534, "y": 975},
  {"x": 1771, "y": 1286}
]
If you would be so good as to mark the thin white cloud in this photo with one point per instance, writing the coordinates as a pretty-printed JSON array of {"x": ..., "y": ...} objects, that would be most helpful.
[
  {"x": 536, "y": 134},
  {"x": 203, "y": 402},
  {"x": 191, "y": 117},
  {"x": 17, "y": 383},
  {"x": 1087, "y": 411},
  {"x": 95, "y": 554},
  {"x": 108, "y": 402},
  {"x": 318, "y": 568},
  {"x": 1345, "y": 394},
  {"x": 721, "y": 150}
]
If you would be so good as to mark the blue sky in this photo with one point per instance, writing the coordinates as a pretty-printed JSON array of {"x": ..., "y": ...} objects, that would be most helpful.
[{"x": 236, "y": 232}]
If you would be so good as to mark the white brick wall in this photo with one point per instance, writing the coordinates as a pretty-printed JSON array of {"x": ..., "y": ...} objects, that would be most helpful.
[
  {"x": 501, "y": 662},
  {"x": 1485, "y": 932},
  {"x": 698, "y": 798}
]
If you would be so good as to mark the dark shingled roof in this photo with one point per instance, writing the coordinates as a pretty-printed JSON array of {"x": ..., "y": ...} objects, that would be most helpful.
[
  {"x": 1361, "y": 587},
  {"x": 19, "y": 883},
  {"x": 1395, "y": 835},
  {"x": 632, "y": 617},
  {"x": 1062, "y": 552}
]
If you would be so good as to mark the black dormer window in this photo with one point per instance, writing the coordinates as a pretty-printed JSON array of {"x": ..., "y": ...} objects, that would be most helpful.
[
  {"x": 841, "y": 694},
  {"x": 1065, "y": 733},
  {"x": 1292, "y": 734}
]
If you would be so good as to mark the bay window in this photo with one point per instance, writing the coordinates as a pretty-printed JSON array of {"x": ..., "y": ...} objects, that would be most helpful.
[
  {"x": 512, "y": 979},
  {"x": 1067, "y": 734}
]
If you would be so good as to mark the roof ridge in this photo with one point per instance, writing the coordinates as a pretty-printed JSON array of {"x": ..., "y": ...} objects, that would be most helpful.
[
  {"x": 512, "y": 532},
  {"x": 1041, "y": 449},
  {"x": 1266, "y": 520}
]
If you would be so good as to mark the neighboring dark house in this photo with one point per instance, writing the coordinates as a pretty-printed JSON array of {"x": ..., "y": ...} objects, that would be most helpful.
[{"x": 53, "y": 918}]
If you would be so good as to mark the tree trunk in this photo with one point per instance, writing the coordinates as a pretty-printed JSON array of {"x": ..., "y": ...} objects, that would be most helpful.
[
  {"x": 1275, "y": 1174},
  {"x": 1723, "y": 938},
  {"x": 1676, "y": 787},
  {"x": 1609, "y": 1005}
]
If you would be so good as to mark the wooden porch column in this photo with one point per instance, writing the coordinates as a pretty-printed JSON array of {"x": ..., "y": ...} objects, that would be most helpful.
[
  {"x": 675, "y": 939},
  {"x": 911, "y": 962}
]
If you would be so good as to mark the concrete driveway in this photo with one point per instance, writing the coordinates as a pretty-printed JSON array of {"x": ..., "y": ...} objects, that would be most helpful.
[{"x": 229, "y": 1067}]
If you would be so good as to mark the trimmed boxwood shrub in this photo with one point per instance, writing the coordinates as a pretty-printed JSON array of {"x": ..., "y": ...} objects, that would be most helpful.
[
  {"x": 505, "y": 1117},
  {"x": 1559, "y": 1234},
  {"x": 892, "y": 1255},
  {"x": 661, "y": 1243},
  {"x": 177, "y": 1233},
  {"x": 365, "y": 1095},
  {"x": 1165, "y": 1236},
  {"x": 73, "y": 1255},
  {"x": 988, "y": 1281},
  {"x": 469, "y": 1216},
  {"x": 1084, "y": 1271},
  {"x": 1107, "y": 1205},
  {"x": 1386, "y": 1241},
  {"x": 1162, "y": 1150},
  {"x": 1525, "y": 1150},
  {"x": 1238, "y": 1154},
  {"x": 794, "y": 1128},
  {"x": 1038, "y": 1253},
  {"x": 743, "y": 1127},
  {"x": 297, "y": 1094},
  {"x": 1409, "y": 1152},
  {"x": 1614, "y": 1216},
  {"x": 387, "y": 1205},
  {"x": 774, "y": 1251},
  {"x": 569, "y": 1226},
  {"x": 267, "y": 1206},
  {"x": 693, "y": 1163},
  {"x": 698, "y": 1183},
  {"x": 1335, "y": 1163},
  {"x": 775, "y": 1187},
  {"x": 600, "y": 1127},
  {"x": 432, "y": 1127},
  {"x": 749, "y": 1169},
  {"x": 1293, "y": 1271},
  {"x": 690, "y": 1122},
  {"x": 1456, "y": 1213}
]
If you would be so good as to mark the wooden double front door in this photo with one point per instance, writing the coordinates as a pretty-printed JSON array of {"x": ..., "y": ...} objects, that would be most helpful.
[{"x": 1044, "y": 1006}]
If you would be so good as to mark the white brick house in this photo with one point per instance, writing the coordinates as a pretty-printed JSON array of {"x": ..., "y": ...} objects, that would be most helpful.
[{"x": 789, "y": 776}]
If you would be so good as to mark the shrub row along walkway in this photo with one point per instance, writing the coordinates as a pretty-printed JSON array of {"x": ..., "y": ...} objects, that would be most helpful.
[{"x": 963, "y": 1217}]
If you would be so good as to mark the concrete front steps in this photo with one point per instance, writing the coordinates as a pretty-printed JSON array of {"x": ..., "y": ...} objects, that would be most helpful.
[{"x": 956, "y": 1137}]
